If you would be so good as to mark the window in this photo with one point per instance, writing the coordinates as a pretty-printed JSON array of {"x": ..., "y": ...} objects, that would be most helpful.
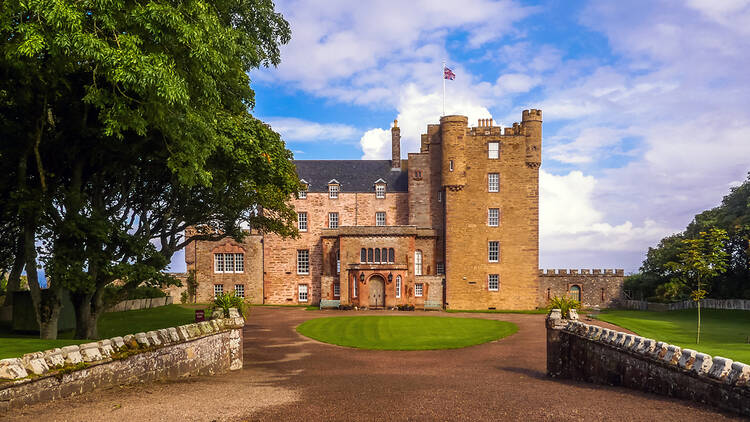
[
  {"x": 363, "y": 255},
  {"x": 333, "y": 220},
  {"x": 391, "y": 256},
  {"x": 440, "y": 196},
  {"x": 303, "y": 261},
  {"x": 229, "y": 262},
  {"x": 417, "y": 262},
  {"x": 302, "y": 295},
  {"x": 333, "y": 191},
  {"x": 493, "y": 217},
  {"x": 450, "y": 165},
  {"x": 494, "y": 150},
  {"x": 380, "y": 191},
  {"x": 574, "y": 292},
  {"x": 336, "y": 289},
  {"x": 493, "y": 182},
  {"x": 493, "y": 282},
  {"x": 380, "y": 218},
  {"x": 398, "y": 286},
  {"x": 440, "y": 268},
  {"x": 354, "y": 287},
  {"x": 303, "y": 192},
  {"x": 302, "y": 221},
  {"x": 418, "y": 289},
  {"x": 417, "y": 174},
  {"x": 377, "y": 255},
  {"x": 369, "y": 255},
  {"x": 239, "y": 290},
  {"x": 384, "y": 255},
  {"x": 218, "y": 290},
  {"x": 494, "y": 251},
  {"x": 338, "y": 262}
]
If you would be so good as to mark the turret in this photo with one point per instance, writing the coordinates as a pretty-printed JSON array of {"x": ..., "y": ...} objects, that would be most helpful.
[
  {"x": 395, "y": 146},
  {"x": 453, "y": 132},
  {"x": 532, "y": 126}
]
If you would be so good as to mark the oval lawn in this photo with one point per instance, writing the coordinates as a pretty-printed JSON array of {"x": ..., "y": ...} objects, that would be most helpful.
[{"x": 405, "y": 332}]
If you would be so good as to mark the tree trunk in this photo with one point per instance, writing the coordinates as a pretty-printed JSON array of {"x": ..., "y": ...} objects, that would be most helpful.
[
  {"x": 46, "y": 306},
  {"x": 698, "y": 337},
  {"x": 85, "y": 320},
  {"x": 14, "y": 278}
]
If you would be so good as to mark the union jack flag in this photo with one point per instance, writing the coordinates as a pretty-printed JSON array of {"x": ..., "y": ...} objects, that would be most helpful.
[{"x": 448, "y": 74}]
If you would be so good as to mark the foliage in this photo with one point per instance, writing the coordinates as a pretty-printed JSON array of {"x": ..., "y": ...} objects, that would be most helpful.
[
  {"x": 656, "y": 281},
  {"x": 192, "y": 288},
  {"x": 405, "y": 307},
  {"x": 227, "y": 300},
  {"x": 405, "y": 332},
  {"x": 564, "y": 304},
  {"x": 725, "y": 331},
  {"x": 184, "y": 297},
  {"x": 131, "y": 123}
]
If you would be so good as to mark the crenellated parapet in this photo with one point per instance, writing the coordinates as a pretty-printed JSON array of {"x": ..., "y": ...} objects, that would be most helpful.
[{"x": 619, "y": 272}]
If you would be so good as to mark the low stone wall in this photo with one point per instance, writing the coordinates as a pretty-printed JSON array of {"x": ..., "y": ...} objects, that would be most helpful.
[
  {"x": 598, "y": 355},
  {"x": 642, "y": 305},
  {"x": 135, "y": 304},
  {"x": 205, "y": 348},
  {"x": 598, "y": 288}
]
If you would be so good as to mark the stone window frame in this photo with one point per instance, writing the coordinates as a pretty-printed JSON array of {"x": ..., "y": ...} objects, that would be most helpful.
[
  {"x": 363, "y": 255},
  {"x": 239, "y": 290},
  {"x": 218, "y": 289},
  {"x": 380, "y": 217},
  {"x": 496, "y": 150},
  {"x": 302, "y": 194},
  {"x": 376, "y": 259},
  {"x": 440, "y": 268},
  {"x": 303, "y": 261},
  {"x": 333, "y": 220},
  {"x": 493, "y": 251},
  {"x": 302, "y": 222},
  {"x": 493, "y": 186},
  {"x": 334, "y": 188},
  {"x": 398, "y": 287},
  {"x": 493, "y": 220},
  {"x": 221, "y": 262},
  {"x": 493, "y": 282},
  {"x": 391, "y": 255},
  {"x": 336, "y": 289},
  {"x": 418, "y": 289},
  {"x": 418, "y": 262},
  {"x": 303, "y": 293}
]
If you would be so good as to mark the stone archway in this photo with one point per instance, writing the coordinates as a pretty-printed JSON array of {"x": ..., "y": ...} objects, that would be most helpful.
[{"x": 376, "y": 297}]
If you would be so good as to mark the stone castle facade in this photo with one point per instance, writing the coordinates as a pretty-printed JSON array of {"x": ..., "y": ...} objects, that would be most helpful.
[{"x": 454, "y": 226}]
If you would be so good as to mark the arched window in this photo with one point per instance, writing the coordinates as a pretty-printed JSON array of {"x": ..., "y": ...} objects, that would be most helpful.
[
  {"x": 369, "y": 255},
  {"x": 377, "y": 255},
  {"x": 575, "y": 292},
  {"x": 398, "y": 286},
  {"x": 363, "y": 255},
  {"x": 384, "y": 255},
  {"x": 417, "y": 262},
  {"x": 391, "y": 256}
]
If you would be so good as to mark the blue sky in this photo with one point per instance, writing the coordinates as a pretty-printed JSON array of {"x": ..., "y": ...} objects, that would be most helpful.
[{"x": 645, "y": 103}]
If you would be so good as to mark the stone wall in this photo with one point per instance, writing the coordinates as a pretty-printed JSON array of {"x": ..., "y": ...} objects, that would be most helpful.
[
  {"x": 135, "y": 304},
  {"x": 205, "y": 348},
  {"x": 600, "y": 288},
  {"x": 598, "y": 355}
]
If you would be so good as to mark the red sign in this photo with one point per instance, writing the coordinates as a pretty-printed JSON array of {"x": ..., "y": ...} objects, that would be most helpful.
[{"x": 200, "y": 315}]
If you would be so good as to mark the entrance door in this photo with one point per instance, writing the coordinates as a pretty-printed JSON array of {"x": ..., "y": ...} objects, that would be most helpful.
[{"x": 377, "y": 292}]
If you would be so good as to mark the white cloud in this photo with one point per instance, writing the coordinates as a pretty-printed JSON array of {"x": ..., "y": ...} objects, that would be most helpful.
[
  {"x": 298, "y": 130},
  {"x": 376, "y": 144}
]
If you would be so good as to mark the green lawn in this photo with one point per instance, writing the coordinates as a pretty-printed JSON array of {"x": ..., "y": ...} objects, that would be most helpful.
[
  {"x": 110, "y": 325},
  {"x": 405, "y": 332},
  {"x": 723, "y": 332}
]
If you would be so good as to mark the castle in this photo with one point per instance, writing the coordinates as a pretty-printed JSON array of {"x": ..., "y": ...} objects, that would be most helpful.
[{"x": 454, "y": 226}]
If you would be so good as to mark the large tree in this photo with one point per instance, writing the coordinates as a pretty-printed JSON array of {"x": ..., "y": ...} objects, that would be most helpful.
[{"x": 131, "y": 122}]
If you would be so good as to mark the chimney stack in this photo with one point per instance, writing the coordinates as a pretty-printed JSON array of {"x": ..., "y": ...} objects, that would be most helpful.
[{"x": 395, "y": 146}]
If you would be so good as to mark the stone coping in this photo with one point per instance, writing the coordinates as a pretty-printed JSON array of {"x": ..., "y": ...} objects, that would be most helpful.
[
  {"x": 717, "y": 368},
  {"x": 583, "y": 271},
  {"x": 74, "y": 357}
]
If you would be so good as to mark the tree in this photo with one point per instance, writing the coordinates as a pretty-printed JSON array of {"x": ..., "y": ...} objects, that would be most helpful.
[
  {"x": 131, "y": 123},
  {"x": 701, "y": 259}
]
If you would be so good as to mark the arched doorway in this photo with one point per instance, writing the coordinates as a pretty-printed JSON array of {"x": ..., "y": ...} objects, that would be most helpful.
[
  {"x": 575, "y": 292},
  {"x": 377, "y": 292}
]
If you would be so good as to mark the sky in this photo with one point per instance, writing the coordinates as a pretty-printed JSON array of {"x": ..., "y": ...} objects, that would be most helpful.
[{"x": 645, "y": 103}]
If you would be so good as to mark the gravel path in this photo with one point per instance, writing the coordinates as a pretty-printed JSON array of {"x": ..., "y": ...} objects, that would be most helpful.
[{"x": 289, "y": 377}]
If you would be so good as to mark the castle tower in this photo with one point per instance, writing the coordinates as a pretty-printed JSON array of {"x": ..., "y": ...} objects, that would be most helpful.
[
  {"x": 453, "y": 131},
  {"x": 532, "y": 124},
  {"x": 395, "y": 146}
]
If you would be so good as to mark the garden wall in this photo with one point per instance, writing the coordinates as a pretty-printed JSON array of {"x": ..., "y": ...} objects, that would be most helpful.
[
  {"x": 598, "y": 355},
  {"x": 740, "y": 304},
  {"x": 134, "y": 304},
  {"x": 205, "y": 348}
]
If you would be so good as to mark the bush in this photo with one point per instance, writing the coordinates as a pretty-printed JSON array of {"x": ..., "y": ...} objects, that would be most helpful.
[
  {"x": 228, "y": 300},
  {"x": 184, "y": 297},
  {"x": 405, "y": 307},
  {"x": 564, "y": 304}
]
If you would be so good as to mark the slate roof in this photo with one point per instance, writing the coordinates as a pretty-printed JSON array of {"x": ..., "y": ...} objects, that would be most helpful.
[{"x": 353, "y": 175}]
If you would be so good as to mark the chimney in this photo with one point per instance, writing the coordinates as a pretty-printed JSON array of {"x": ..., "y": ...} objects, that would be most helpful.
[{"x": 395, "y": 146}]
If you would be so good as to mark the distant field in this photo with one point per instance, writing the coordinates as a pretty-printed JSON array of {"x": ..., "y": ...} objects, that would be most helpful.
[
  {"x": 723, "y": 332},
  {"x": 110, "y": 325}
]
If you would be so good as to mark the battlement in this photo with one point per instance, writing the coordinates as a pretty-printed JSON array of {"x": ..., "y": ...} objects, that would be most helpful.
[
  {"x": 532, "y": 115},
  {"x": 584, "y": 271}
]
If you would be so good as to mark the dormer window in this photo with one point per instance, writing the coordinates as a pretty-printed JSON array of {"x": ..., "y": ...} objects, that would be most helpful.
[
  {"x": 303, "y": 191},
  {"x": 333, "y": 189},
  {"x": 380, "y": 189}
]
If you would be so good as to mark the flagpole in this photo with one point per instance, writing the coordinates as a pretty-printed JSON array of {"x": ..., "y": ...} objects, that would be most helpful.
[{"x": 443, "y": 87}]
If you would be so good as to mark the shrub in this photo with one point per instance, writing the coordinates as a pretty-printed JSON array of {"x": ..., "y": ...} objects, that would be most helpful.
[
  {"x": 184, "y": 297},
  {"x": 564, "y": 304},
  {"x": 405, "y": 307},
  {"x": 228, "y": 300}
]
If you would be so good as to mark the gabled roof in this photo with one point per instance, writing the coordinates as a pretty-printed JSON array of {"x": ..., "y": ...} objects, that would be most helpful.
[{"x": 353, "y": 175}]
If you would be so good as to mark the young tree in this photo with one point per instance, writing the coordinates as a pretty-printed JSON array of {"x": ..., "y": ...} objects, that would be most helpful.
[{"x": 701, "y": 259}]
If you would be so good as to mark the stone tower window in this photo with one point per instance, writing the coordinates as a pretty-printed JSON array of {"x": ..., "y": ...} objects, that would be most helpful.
[
  {"x": 493, "y": 282},
  {"x": 493, "y": 217},
  {"x": 494, "y": 150},
  {"x": 493, "y": 182},
  {"x": 493, "y": 249},
  {"x": 417, "y": 262},
  {"x": 440, "y": 268}
]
